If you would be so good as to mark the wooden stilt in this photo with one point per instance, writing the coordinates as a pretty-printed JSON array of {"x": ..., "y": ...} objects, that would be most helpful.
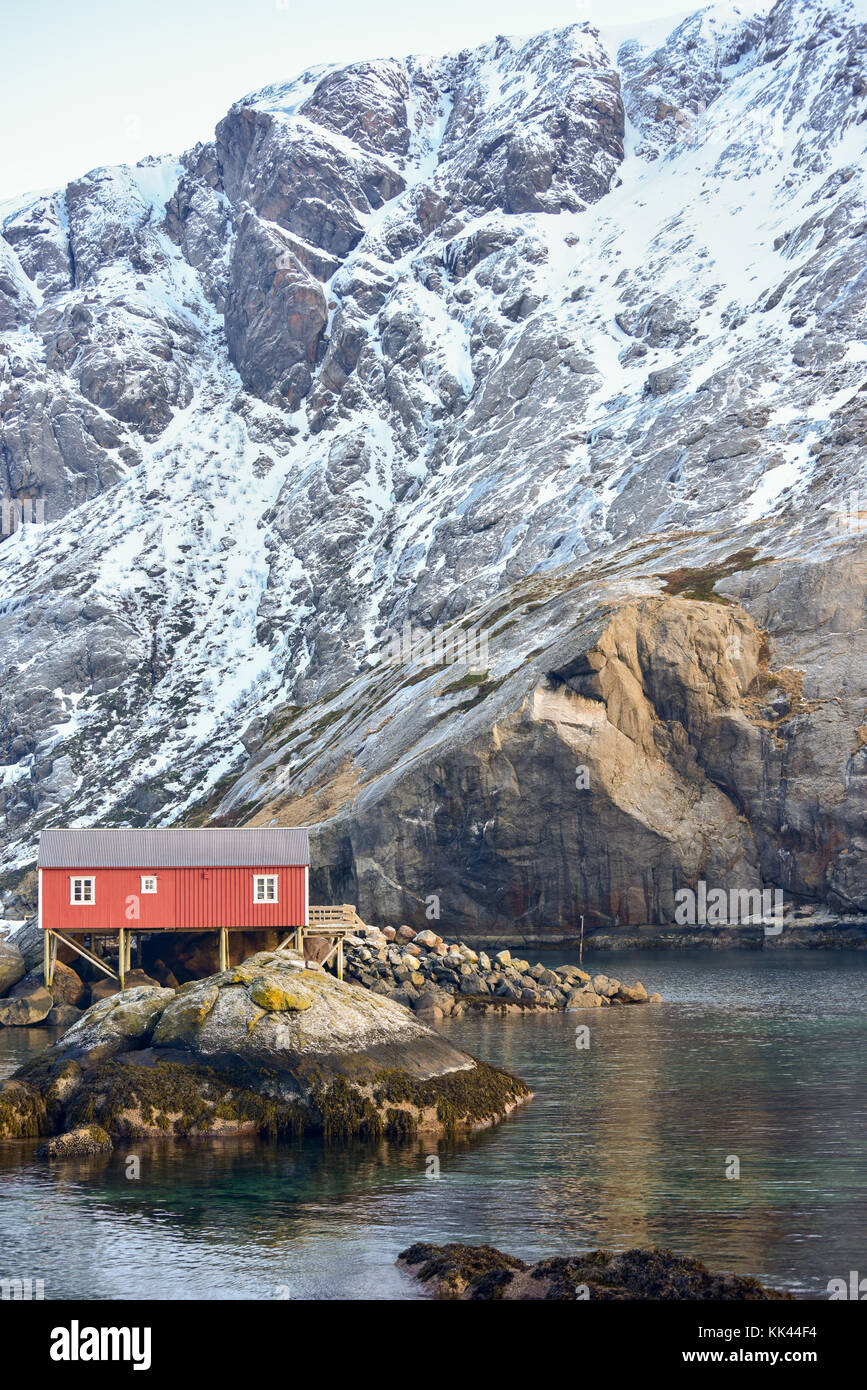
[
  {"x": 121, "y": 956},
  {"x": 46, "y": 957},
  {"x": 340, "y": 957},
  {"x": 53, "y": 960},
  {"x": 223, "y": 936}
]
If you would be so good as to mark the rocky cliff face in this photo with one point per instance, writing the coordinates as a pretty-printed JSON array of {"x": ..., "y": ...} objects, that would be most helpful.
[{"x": 553, "y": 341}]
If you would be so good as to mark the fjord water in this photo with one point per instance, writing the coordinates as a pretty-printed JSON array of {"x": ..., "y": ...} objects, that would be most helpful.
[{"x": 758, "y": 1056}]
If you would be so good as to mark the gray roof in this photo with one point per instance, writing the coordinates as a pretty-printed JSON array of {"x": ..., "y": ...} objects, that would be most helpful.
[{"x": 252, "y": 847}]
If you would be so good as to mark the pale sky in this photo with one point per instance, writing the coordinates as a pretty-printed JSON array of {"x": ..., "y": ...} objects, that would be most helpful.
[{"x": 107, "y": 81}]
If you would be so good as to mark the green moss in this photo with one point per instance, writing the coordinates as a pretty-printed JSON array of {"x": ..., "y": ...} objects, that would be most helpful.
[
  {"x": 346, "y": 1113},
  {"x": 466, "y": 682},
  {"x": 195, "y": 1095},
  {"x": 462, "y": 1099},
  {"x": 699, "y": 583},
  {"x": 23, "y": 1117}
]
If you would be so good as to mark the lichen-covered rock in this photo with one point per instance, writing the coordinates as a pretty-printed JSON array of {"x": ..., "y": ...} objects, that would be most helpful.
[
  {"x": 267, "y": 1047},
  {"x": 124, "y": 1020}
]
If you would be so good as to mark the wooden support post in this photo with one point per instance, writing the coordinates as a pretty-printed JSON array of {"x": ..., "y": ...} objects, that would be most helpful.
[
  {"x": 581, "y": 944},
  {"x": 54, "y": 945},
  {"x": 121, "y": 955},
  {"x": 224, "y": 948},
  {"x": 340, "y": 957},
  {"x": 299, "y": 938},
  {"x": 46, "y": 957}
]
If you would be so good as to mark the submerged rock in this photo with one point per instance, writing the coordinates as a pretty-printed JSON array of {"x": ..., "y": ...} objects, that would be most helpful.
[
  {"x": 483, "y": 1272},
  {"x": 269, "y": 1047},
  {"x": 77, "y": 1143}
]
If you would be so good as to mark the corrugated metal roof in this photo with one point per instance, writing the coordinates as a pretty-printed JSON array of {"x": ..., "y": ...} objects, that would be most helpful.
[{"x": 248, "y": 847}]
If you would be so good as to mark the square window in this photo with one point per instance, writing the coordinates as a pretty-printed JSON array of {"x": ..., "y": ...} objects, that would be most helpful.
[
  {"x": 82, "y": 890},
  {"x": 265, "y": 888},
  {"x": 148, "y": 883}
]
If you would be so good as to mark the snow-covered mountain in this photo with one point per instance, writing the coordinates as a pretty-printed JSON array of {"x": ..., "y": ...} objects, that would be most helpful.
[{"x": 561, "y": 341}]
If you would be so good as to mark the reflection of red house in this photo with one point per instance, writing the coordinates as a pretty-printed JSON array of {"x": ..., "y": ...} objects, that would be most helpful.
[{"x": 107, "y": 881}]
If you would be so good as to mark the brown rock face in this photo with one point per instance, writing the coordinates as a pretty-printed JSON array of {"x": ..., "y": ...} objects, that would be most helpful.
[{"x": 655, "y": 757}]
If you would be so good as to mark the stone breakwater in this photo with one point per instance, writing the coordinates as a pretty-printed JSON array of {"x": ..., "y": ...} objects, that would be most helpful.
[{"x": 437, "y": 979}]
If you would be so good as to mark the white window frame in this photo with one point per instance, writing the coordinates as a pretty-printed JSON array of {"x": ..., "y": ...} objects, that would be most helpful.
[
  {"x": 84, "y": 880},
  {"x": 146, "y": 880},
  {"x": 265, "y": 879}
]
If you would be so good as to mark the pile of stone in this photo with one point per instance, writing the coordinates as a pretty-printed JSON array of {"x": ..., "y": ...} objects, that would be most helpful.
[
  {"x": 436, "y": 978},
  {"x": 26, "y": 1003}
]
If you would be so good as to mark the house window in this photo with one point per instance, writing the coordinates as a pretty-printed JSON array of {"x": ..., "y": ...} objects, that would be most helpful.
[
  {"x": 148, "y": 883},
  {"x": 82, "y": 890},
  {"x": 264, "y": 888}
]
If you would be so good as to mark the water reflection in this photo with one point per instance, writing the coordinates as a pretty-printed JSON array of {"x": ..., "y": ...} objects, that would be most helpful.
[{"x": 624, "y": 1143}]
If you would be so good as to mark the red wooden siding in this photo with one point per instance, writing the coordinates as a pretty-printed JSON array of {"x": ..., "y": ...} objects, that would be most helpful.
[{"x": 185, "y": 900}]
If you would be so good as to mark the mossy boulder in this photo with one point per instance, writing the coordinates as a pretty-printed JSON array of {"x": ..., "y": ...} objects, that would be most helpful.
[
  {"x": 484, "y": 1273},
  {"x": 268, "y": 1047}
]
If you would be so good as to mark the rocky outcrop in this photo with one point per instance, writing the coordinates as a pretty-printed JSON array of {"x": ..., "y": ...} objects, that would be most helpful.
[
  {"x": 270, "y": 1047},
  {"x": 480, "y": 1272}
]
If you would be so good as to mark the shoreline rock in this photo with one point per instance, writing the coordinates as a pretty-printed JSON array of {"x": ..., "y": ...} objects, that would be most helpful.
[
  {"x": 437, "y": 979},
  {"x": 481, "y": 1272},
  {"x": 84, "y": 1142},
  {"x": 273, "y": 1047}
]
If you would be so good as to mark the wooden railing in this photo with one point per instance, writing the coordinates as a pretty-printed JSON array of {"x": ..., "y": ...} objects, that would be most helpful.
[{"x": 339, "y": 914}]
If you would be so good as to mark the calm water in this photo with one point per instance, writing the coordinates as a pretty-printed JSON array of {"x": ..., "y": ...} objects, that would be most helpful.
[{"x": 753, "y": 1055}]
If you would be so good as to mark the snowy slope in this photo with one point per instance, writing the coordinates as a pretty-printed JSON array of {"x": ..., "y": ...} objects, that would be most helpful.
[{"x": 424, "y": 341}]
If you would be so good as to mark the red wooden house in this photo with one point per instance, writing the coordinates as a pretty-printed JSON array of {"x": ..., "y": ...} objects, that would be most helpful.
[{"x": 107, "y": 882}]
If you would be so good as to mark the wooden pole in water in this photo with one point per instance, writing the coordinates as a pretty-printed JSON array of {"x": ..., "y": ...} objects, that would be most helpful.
[{"x": 581, "y": 943}]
